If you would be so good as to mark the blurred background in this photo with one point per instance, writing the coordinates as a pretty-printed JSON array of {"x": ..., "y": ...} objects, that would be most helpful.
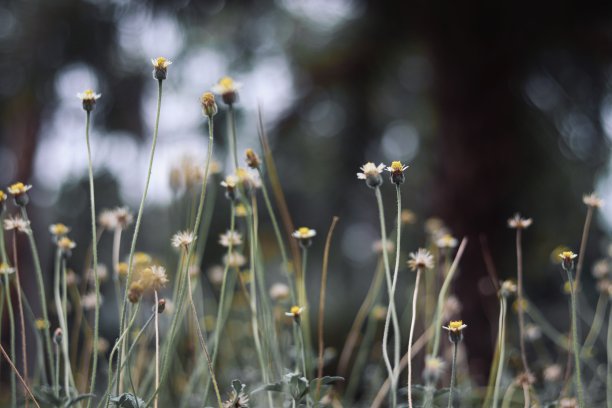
[{"x": 496, "y": 107}]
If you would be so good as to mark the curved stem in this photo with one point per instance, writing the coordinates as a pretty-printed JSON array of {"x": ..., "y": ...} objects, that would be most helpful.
[
  {"x": 501, "y": 340},
  {"x": 600, "y": 315},
  {"x": 11, "y": 314},
  {"x": 391, "y": 313},
  {"x": 414, "y": 308},
  {"x": 575, "y": 346},
  {"x": 583, "y": 244},
  {"x": 521, "y": 308},
  {"x": 138, "y": 221}
]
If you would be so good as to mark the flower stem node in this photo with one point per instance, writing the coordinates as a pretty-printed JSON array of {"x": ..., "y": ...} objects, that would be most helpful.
[
  {"x": 371, "y": 174},
  {"x": 19, "y": 191},
  {"x": 227, "y": 88},
  {"x": 160, "y": 68},
  {"x": 455, "y": 331},
  {"x": 88, "y": 98},
  {"x": 209, "y": 106},
  {"x": 304, "y": 236},
  {"x": 397, "y": 172},
  {"x": 567, "y": 260}
]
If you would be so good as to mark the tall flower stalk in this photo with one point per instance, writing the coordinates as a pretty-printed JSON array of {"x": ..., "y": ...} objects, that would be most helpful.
[
  {"x": 89, "y": 98},
  {"x": 455, "y": 336},
  {"x": 160, "y": 67},
  {"x": 508, "y": 288},
  {"x": 568, "y": 266},
  {"x": 419, "y": 261}
]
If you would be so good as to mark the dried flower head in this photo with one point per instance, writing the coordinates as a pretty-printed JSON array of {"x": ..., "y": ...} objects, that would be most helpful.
[
  {"x": 252, "y": 159},
  {"x": 88, "y": 99},
  {"x": 517, "y": 222},
  {"x": 508, "y": 288},
  {"x": 209, "y": 106},
  {"x": 58, "y": 230},
  {"x": 183, "y": 239},
  {"x": 160, "y": 68},
  {"x": 237, "y": 397},
  {"x": 6, "y": 269},
  {"x": 234, "y": 259},
  {"x": 446, "y": 241},
  {"x": 371, "y": 174},
  {"x": 232, "y": 238},
  {"x": 16, "y": 223},
  {"x": 153, "y": 278},
  {"x": 227, "y": 88},
  {"x": 19, "y": 191},
  {"x": 397, "y": 172},
  {"x": 455, "y": 330},
  {"x": 592, "y": 200},
  {"x": 421, "y": 259}
]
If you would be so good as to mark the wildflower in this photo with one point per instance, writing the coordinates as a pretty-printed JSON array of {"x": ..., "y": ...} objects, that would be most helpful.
[
  {"x": 107, "y": 219},
  {"x": 58, "y": 230},
  {"x": 525, "y": 378},
  {"x": 552, "y": 373},
  {"x": 567, "y": 258},
  {"x": 241, "y": 210},
  {"x": 88, "y": 98},
  {"x": 153, "y": 278},
  {"x": 234, "y": 259},
  {"x": 3, "y": 198},
  {"x": 304, "y": 236},
  {"x": 517, "y": 222},
  {"x": 19, "y": 191},
  {"x": 252, "y": 159},
  {"x": 446, "y": 241},
  {"x": 249, "y": 180},
  {"x": 568, "y": 403},
  {"x": 57, "y": 336},
  {"x": 434, "y": 368},
  {"x": 228, "y": 89},
  {"x": 601, "y": 269},
  {"x": 209, "y": 106},
  {"x": 215, "y": 274},
  {"x": 160, "y": 68},
  {"x": 89, "y": 301},
  {"x": 371, "y": 174},
  {"x": 379, "y": 312},
  {"x": 279, "y": 291},
  {"x": 533, "y": 332},
  {"x": 592, "y": 201},
  {"x": 407, "y": 216},
  {"x": 142, "y": 259},
  {"x": 123, "y": 216},
  {"x": 16, "y": 223},
  {"x": 422, "y": 259},
  {"x": 183, "y": 239},
  {"x": 41, "y": 324},
  {"x": 455, "y": 330},
  {"x": 232, "y": 238},
  {"x": 452, "y": 307},
  {"x": 135, "y": 292},
  {"x": 230, "y": 183},
  {"x": 295, "y": 312},
  {"x": 122, "y": 269},
  {"x": 71, "y": 278},
  {"x": 102, "y": 273},
  {"x": 397, "y": 172},
  {"x": 377, "y": 246},
  {"x": 66, "y": 245},
  {"x": 6, "y": 269},
  {"x": 237, "y": 397},
  {"x": 508, "y": 288}
]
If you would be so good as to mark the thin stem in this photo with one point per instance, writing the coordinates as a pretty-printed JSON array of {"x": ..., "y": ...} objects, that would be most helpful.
[
  {"x": 521, "y": 311},
  {"x": 397, "y": 337},
  {"x": 156, "y": 314},
  {"x": 609, "y": 352},
  {"x": 25, "y": 385},
  {"x": 139, "y": 220},
  {"x": 21, "y": 315},
  {"x": 279, "y": 238},
  {"x": 501, "y": 341},
  {"x": 11, "y": 314},
  {"x": 231, "y": 125},
  {"x": 600, "y": 315},
  {"x": 575, "y": 347},
  {"x": 453, "y": 375},
  {"x": 391, "y": 313},
  {"x": 414, "y": 308},
  {"x": 322, "y": 302},
  {"x": 583, "y": 244}
]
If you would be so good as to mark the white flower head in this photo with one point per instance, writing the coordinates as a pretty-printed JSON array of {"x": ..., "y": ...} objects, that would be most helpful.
[
  {"x": 6, "y": 269},
  {"x": 422, "y": 259},
  {"x": 592, "y": 200},
  {"x": 371, "y": 174},
  {"x": 234, "y": 259},
  {"x": 304, "y": 233},
  {"x": 446, "y": 241},
  {"x": 16, "y": 223},
  {"x": 228, "y": 89},
  {"x": 517, "y": 222},
  {"x": 232, "y": 238},
  {"x": 182, "y": 239}
]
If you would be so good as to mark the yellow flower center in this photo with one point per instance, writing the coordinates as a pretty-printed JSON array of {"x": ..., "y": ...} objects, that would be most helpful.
[
  {"x": 160, "y": 61},
  {"x": 568, "y": 255},
  {"x": 303, "y": 231},
  {"x": 227, "y": 83},
  {"x": 208, "y": 98},
  {"x": 60, "y": 229},
  {"x": 397, "y": 166},
  {"x": 2, "y": 196},
  {"x": 18, "y": 187},
  {"x": 141, "y": 258},
  {"x": 456, "y": 325},
  {"x": 65, "y": 243},
  {"x": 295, "y": 310},
  {"x": 41, "y": 324}
]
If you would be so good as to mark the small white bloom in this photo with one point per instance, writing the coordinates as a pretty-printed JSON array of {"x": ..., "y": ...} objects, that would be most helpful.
[
  {"x": 234, "y": 259},
  {"x": 16, "y": 223},
  {"x": 422, "y": 259},
  {"x": 370, "y": 170},
  {"x": 517, "y": 222},
  {"x": 446, "y": 241},
  {"x": 592, "y": 200},
  {"x": 230, "y": 238},
  {"x": 182, "y": 239},
  {"x": 304, "y": 233}
]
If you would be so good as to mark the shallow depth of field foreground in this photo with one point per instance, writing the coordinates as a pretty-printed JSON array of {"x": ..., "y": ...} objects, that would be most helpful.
[{"x": 305, "y": 203}]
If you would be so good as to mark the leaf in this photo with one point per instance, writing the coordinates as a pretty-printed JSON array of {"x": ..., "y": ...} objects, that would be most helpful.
[
  {"x": 275, "y": 387},
  {"x": 78, "y": 398},
  {"x": 127, "y": 400}
]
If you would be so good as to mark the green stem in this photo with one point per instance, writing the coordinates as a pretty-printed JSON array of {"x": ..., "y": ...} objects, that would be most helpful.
[
  {"x": 583, "y": 244},
  {"x": 138, "y": 221},
  {"x": 576, "y": 349},
  {"x": 279, "y": 237},
  {"x": 360, "y": 360},
  {"x": 600, "y": 315},
  {"x": 11, "y": 313},
  {"x": 409, "y": 355},
  {"x": 521, "y": 308},
  {"x": 609, "y": 352},
  {"x": 397, "y": 337},
  {"x": 231, "y": 125},
  {"x": 41, "y": 288},
  {"x": 391, "y": 313},
  {"x": 501, "y": 341},
  {"x": 453, "y": 375}
]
